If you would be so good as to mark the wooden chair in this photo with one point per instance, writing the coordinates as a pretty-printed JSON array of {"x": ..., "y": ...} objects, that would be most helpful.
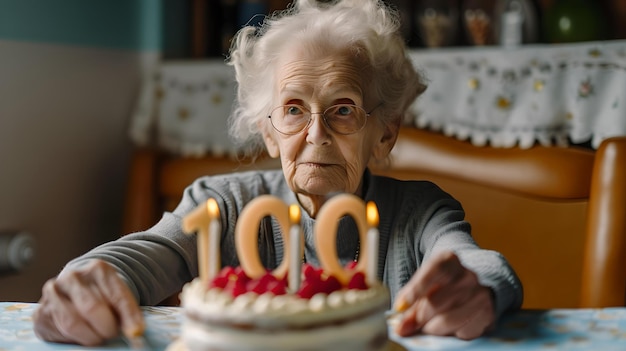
[{"x": 558, "y": 214}]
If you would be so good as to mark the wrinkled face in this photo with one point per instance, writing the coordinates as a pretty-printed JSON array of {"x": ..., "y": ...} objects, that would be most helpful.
[{"x": 318, "y": 161}]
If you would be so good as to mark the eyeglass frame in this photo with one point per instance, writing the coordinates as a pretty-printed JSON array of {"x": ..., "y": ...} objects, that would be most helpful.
[{"x": 323, "y": 114}]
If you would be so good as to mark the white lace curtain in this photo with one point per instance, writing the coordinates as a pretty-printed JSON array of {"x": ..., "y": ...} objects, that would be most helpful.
[
  {"x": 541, "y": 93},
  {"x": 551, "y": 94}
]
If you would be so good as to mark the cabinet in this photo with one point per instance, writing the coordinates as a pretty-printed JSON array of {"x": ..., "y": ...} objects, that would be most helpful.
[
  {"x": 203, "y": 28},
  {"x": 536, "y": 93},
  {"x": 479, "y": 22}
]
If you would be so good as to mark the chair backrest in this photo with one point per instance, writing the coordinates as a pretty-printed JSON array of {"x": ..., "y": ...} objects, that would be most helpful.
[{"x": 558, "y": 214}]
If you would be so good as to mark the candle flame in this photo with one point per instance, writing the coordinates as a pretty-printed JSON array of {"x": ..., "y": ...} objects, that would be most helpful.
[
  {"x": 372, "y": 214},
  {"x": 212, "y": 208},
  {"x": 294, "y": 214}
]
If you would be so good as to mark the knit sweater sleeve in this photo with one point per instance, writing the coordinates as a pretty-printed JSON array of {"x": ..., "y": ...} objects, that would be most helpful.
[{"x": 157, "y": 262}]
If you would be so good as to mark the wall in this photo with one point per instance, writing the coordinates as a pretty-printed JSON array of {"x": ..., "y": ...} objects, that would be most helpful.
[{"x": 70, "y": 71}]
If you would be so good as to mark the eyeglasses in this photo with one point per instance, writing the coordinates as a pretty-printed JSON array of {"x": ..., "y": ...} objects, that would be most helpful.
[{"x": 342, "y": 119}]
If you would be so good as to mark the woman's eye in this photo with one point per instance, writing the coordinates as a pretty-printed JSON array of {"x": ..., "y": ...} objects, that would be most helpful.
[
  {"x": 294, "y": 110},
  {"x": 343, "y": 111}
]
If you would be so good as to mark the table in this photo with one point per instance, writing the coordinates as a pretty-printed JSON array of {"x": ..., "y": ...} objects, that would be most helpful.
[{"x": 561, "y": 329}]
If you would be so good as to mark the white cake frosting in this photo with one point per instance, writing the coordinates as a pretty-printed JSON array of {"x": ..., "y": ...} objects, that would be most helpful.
[{"x": 347, "y": 319}]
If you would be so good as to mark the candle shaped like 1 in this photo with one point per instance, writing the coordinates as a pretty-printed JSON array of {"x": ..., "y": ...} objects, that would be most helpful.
[
  {"x": 215, "y": 228},
  {"x": 205, "y": 222},
  {"x": 295, "y": 236},
  {"x": 372, "y": 243}
]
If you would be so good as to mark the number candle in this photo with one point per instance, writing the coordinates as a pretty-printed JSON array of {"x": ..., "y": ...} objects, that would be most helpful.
[
  {"x": 294, "y": 245},
  {"x": 326, "y": 234},
  {"x": 205, "y": 221},
  {"x": 372, "y": 243},
  {"x": 247, "y": 234},
  {"x": 214, "y": 238}
]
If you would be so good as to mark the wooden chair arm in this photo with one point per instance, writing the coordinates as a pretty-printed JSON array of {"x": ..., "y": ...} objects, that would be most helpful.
[
  {"x": 141, "y": 195},
  {"x": 604, "y": 274}
]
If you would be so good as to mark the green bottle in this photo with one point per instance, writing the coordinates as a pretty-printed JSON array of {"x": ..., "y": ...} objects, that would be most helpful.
[{"x": 574, "y": 20}]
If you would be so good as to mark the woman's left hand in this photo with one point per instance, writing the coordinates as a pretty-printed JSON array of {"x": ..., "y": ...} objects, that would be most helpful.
[{"x": 445, "y": 298}]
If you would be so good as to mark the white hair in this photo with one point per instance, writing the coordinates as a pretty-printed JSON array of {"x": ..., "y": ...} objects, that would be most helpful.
[{"x": 369, "y": 28}]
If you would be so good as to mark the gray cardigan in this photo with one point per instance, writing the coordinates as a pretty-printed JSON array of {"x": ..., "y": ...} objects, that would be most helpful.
[{"x": 417, "y": 220}]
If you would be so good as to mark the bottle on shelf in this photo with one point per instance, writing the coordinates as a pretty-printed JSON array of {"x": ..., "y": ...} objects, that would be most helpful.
[
  {"x": 574, "y": 21},
  {"x": 477, "y": 19},
  {"x": 516, "y": 22},
  {"x": 436, "y": 22}
]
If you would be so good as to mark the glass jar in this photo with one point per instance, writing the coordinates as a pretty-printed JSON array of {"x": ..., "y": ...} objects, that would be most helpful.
[
  {"x": 516, "y": 22},
  {"x": 437, "y": 22},
  {"x": 478, "y": 21},
  {"x": 574, "y": 21}
]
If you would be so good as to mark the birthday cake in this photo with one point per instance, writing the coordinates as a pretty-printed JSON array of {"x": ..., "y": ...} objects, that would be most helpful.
[
  {"x": 260, "y": 315},
  {"x": 251, "y": 308}
]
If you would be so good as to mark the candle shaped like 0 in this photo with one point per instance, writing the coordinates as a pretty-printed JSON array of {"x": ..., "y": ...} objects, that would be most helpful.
[
  {"x": 295, "y": 263},
  {"x": 205, "y": 221},
  {"x": 372, "y": 243},
  {"x": 326, "y": 234},
  {"x": 247, "y": 234}
]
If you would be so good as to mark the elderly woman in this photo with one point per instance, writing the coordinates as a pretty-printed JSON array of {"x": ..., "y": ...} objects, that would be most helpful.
[{"x": 324, "y": 87}]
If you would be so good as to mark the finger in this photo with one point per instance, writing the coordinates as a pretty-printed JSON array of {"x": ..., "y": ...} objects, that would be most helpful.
[
  {"x": 468, "y": 320},
  {"x": 474, "y": 329},
  {"x": 459, "y": 323},
  {"x": 121, "y": 299},
  {"x": 453, "y": 294},
  {"x": 424, "y": 310},
  {"x": 407, "y": 324},
  {"x": 484, "y": 320},
  {"x": 437, "y": 272},
  {"x": 442, "y": 269},
  {"x": 90, "y": 304},
  {"x": 455, "y": 297},
  {"x": 61, "y": 322},
  {"x": 43, "y": 326}
]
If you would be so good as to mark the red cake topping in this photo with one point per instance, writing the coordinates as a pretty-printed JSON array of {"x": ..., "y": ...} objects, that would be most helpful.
[{"x": 314, "y": 281}]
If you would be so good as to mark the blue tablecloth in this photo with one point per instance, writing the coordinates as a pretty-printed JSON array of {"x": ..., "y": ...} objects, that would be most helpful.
[
  {"x": 16, "y": 330},
  {"x": 567, "y": 329}
]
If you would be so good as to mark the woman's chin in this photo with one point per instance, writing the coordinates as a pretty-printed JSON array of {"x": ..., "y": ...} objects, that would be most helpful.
[
  {"x": 321, "y": 182},
  {"x": 320, "y": 188}
]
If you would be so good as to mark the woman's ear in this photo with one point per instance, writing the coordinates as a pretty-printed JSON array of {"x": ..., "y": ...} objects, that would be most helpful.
[
  {"x": 387, "y": 140},
  {"x": 270, "y": 143}
]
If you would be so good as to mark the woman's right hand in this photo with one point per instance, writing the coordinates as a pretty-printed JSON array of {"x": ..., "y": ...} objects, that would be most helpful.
[{"x": 87, "y": 306}]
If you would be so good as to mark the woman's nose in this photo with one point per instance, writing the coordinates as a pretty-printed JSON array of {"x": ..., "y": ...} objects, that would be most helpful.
[{"x": 317, "y": 132}]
